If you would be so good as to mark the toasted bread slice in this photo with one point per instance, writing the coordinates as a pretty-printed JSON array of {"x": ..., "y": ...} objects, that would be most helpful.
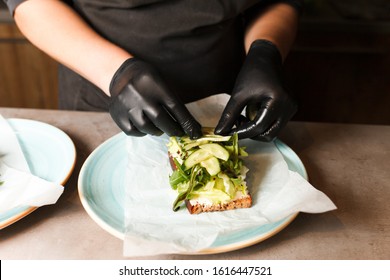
[{"x": 196, "y": 207}]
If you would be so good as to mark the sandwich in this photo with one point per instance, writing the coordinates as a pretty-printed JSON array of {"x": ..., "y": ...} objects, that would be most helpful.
[{"x": 208, "y": 173}]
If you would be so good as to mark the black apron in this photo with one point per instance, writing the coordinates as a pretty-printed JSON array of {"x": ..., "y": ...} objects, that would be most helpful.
[{"x": 196, "y": 45}]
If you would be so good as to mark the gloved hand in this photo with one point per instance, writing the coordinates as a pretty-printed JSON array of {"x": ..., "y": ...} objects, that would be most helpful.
[
  {"x": 259, "y": 88},
  {"x": 142, "y": 104}
]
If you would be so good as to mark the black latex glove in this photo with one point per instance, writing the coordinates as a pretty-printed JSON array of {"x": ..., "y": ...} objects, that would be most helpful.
[
  {"x": 259, "y": 88},
  {"x": 142, "y": 104}
]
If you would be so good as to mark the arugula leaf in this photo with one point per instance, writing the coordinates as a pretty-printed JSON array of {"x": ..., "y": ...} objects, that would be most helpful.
[
  {"x": 183, "y": 196},
  {"x": 176, "y": 178}
]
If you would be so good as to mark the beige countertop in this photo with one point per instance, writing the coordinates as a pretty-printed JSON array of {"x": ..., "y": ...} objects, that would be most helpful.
[{"x": 350, "y": 163}]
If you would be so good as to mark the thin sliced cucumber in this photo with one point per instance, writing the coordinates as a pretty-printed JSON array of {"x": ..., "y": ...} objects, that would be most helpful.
[
  {"x": 212, "y": 165},
  {"x": 194, "y": 144},
  {"x": 214, "y": 138},
  {"x": 216, "y": 150},
  {"x": 197, "y": 157}
]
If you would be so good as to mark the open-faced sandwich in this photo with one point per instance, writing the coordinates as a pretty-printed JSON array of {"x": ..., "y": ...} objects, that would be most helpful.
[{"x": 208, "y": 173}]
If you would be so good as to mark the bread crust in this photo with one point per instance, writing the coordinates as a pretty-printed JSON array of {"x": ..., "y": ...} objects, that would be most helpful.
[{"x": 242, "y": 202}]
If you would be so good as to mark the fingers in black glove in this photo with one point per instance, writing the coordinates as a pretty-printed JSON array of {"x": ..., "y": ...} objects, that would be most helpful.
[
  {"x": 142, "y": 104},
  {"x": 263, "y": 123},
  {"x": 260, "y": 89}
]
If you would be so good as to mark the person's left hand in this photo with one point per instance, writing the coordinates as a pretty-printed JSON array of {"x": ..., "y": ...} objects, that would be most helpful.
[{"x": 259, "y": 88}]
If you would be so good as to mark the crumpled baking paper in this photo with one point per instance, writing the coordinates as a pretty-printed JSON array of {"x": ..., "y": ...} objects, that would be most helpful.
[
  {"x": 152, "y": 228},
  {"x": 19, "y": 187}
]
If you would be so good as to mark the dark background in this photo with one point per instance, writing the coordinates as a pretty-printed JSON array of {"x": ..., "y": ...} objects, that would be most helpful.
[{"x": 339, "y": 67}]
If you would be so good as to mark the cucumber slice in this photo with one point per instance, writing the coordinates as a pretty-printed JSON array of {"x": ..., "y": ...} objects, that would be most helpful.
[
  {"x": 214, "y": 138},
  {"x": 216, "y": 150},
  {"x": 194, "y": 144},
  {"x": 212, "y": 165},
  {"x": 197, "y": 157},
  {"x": 208, "y": 134}
]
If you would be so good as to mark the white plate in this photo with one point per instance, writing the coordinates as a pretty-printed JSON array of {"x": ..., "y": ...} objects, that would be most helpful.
[
  {"x": 50, "y": 154},
  {"x": 102, "y": 191}
]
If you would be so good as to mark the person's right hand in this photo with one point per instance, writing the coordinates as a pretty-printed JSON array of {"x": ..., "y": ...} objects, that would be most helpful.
[{"x": 142, "y": 104}]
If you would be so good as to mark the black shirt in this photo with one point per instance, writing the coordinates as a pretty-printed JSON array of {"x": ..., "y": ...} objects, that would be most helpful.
[{"x": 197, "y": 45}]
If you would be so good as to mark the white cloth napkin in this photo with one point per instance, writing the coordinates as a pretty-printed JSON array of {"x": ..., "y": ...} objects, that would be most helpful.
[
  {"x": 19, "y": 187},
  {"x": 152, "y": 227}
]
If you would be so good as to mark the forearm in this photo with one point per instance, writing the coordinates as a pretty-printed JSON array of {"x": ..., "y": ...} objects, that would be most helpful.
[
  {"x": 278, "y": 24},
  {"x": 57, "y": 30}
]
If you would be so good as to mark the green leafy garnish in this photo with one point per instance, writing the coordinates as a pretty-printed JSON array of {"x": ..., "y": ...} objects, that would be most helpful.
[{"x": 215, "y": 171}]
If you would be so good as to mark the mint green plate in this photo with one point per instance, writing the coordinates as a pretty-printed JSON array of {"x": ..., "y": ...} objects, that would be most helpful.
[
  {"x": 101, "y": 189},
  {"x": 50, "y": 154}
]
